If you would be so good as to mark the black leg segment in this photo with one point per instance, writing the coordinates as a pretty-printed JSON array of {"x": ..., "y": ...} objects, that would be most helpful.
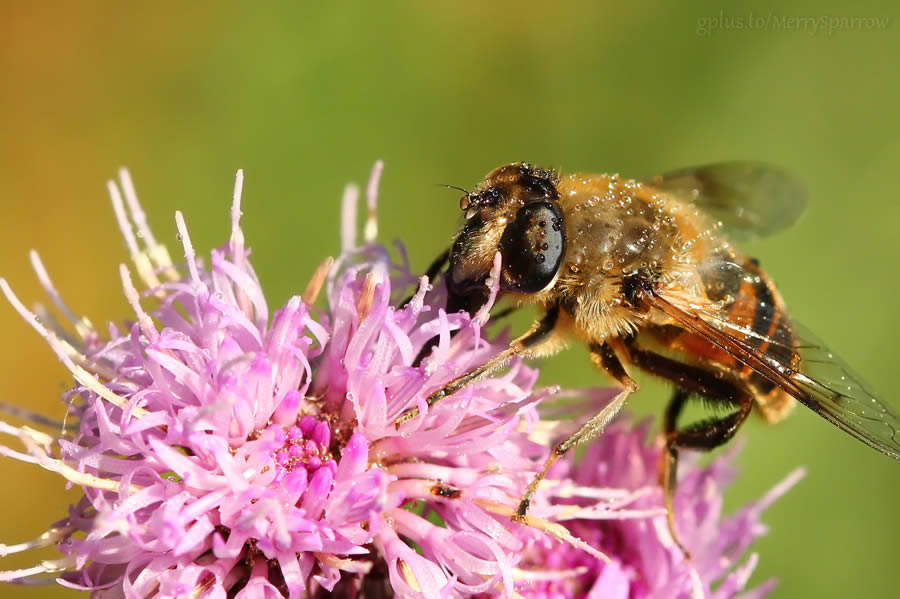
[{"x": 704, "y": 435}]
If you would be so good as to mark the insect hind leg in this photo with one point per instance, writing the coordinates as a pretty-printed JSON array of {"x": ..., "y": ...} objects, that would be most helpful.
[{"x": 704, "y": 435}]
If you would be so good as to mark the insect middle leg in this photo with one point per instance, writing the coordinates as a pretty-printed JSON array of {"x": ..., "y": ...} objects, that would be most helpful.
[
  {"x": 704, "y": 435},
  {"x": 604, "y": 357},
  {"x": 526, "y": 345}
]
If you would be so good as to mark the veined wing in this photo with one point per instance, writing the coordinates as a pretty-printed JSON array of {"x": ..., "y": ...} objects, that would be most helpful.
[
  {"x": 765, "y": 339},
  {"x": 750, "y": 199}
]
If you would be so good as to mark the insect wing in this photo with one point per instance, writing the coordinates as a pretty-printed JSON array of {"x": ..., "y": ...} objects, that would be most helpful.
[
  {"x": 750, "y": 199},
  {"x": 843, "y": 398},
  {"x": 792, "y": 358}
]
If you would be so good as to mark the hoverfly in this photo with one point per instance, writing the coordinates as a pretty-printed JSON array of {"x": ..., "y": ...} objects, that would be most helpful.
[{"x": 645, "y": 274}]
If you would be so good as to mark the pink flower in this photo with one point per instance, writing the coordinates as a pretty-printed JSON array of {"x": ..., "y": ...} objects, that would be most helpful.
[
  {"x": 644, "y": 561},
  {"x": 224, "y": 453}
]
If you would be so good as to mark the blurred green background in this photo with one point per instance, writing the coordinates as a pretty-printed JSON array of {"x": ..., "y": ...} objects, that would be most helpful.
[{"x": 305, "y": 97}]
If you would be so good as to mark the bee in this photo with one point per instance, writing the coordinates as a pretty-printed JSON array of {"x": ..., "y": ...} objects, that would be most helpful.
[{"x": 645, "y": 274}]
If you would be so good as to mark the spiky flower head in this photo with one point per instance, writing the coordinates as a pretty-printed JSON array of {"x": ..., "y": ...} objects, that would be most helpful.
[{"x": 223, "y": 452}]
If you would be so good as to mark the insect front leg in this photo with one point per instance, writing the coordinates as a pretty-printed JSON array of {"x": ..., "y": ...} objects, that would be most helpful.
[
  {"x": 604, "y": 357},
  {"x": 437, "y": 264},
  {"x": 433, "y": 271},
  {"x": 540, "y": 332}
]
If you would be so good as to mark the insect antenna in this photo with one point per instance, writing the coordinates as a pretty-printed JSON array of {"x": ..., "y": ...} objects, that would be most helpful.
[{"x": 456, "y": 187}]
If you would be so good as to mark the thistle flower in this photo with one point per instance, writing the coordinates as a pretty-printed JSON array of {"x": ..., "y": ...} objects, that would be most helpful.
[
  {"x": 224, "y": 453},
  {"x": 644, "y": 561}
]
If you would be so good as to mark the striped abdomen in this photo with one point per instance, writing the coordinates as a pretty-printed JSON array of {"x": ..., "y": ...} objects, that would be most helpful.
[{"x": 752, "y": 311}]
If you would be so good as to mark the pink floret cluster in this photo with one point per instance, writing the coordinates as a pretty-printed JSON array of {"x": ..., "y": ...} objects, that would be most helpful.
[{"x": 226, "y": 453}]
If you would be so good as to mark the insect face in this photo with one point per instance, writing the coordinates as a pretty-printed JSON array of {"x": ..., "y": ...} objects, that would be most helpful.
[{"x": 514, "y": 211}]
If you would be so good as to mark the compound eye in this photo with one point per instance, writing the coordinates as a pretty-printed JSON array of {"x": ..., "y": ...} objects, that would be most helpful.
[
  {"x": 539, "y": 188},
  {"x": 532, "y": 247}
]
